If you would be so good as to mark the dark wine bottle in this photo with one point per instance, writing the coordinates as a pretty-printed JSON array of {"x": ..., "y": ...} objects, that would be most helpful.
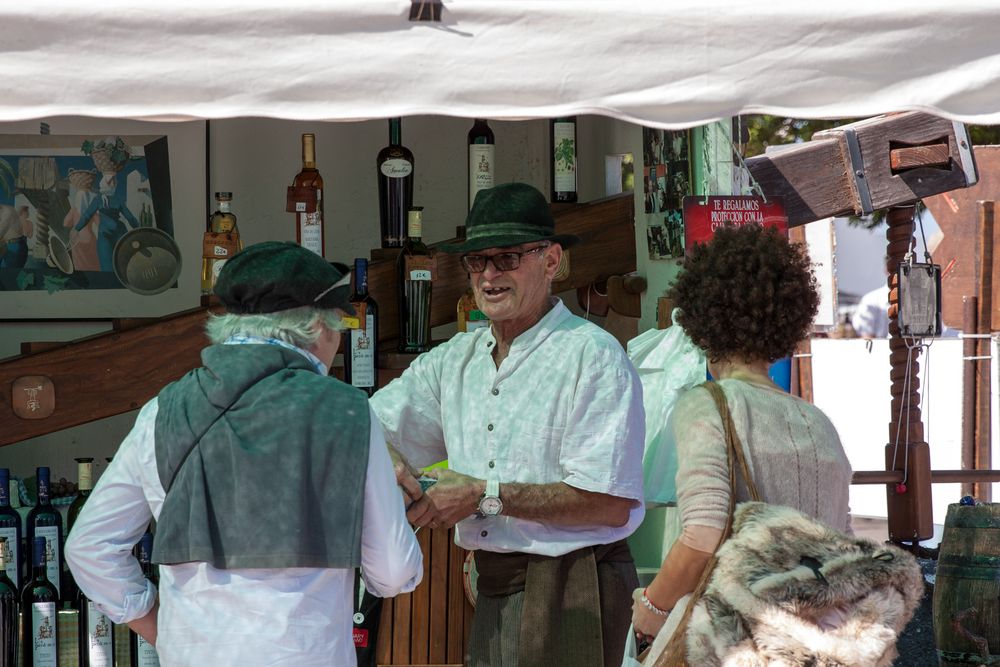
[
  {"x": 95, "y": 634},
  {"x": 45, "y": 521},
  {"x": 482, "y": 153},
  {"x": 562, "y": 167},
  {"x": 9, "y": 606},
  {"x": 10, "y": 530},
  {"x": 38, "y": 603},
  {"x": 309, "y": 225},
  {"x": 361, "y": 350},
  {"x": 141, "y": 652},
  {"x": 84, "y": 484},
  {"x": 415, "y": 271},
  {"x": 395, "y": 186}
]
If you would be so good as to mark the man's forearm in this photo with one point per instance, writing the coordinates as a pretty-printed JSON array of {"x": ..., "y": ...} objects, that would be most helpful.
[
  {"x": 146, "y": 625},
  {"x": 563, "y": 504}
]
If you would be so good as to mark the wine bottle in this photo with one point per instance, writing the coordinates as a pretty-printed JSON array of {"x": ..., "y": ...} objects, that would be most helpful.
[
  {"x": 395, "y": 186},
  {"x": 38, "y": 602},
  {"x": 361, "y": 352},
  {"x": 482, "y": 152},
  {"x": 95, "y": 634},
  {"x": 221, "y": 241},
  {"x": 45, "y": 521},
  {"x": 141, "y": 652},
  {"x": 562, "y": 134},
  {"x": 309, "y": 200},
  {"x": 10, "y": 530},
  {"x": 415, "y": 271},
  {"x": 84, "y": 484},
  {"x": 470, "y": 317},
  {"x": 9, "y": 607}
]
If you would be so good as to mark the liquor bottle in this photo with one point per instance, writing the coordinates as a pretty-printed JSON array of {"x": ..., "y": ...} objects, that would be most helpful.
[
  {"x": 361, "y": 352},
  {"x": 141, "y": 652},
  {"x": 482, "y": 152},
  {"x": 10, "y": 530},
  {"x": 95, "y": 634},
  {"x": 9, "y": 606},
  {"x": 395, "y": 186},
  {"x": 470, "y": 317},
  {"x": 308, "y": 195},
  {"x": 415, "y": 270},
  {"x": 562, "y": 133},
  {"x": 38, "y": 603},
  {"x": 45, "y": 521},
  {"x": 221, "y": 241},
  {"x": 84, "y": 484}
]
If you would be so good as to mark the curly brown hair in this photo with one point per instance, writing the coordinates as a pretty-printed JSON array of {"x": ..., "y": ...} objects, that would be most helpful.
[{"x": 748, "y": 294}]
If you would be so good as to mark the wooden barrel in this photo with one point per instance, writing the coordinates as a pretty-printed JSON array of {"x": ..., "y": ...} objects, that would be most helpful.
[{"x": 967, "y": 587}]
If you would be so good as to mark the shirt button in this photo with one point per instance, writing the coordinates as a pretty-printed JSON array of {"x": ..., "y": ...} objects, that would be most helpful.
[
  {"x": 490, "y": 427},
  {"x": 489, "y": 343},
  {"x": 493, "y": 464},
  {"x": 496, "y": 391},
  {"x": 484, "y": 533}
]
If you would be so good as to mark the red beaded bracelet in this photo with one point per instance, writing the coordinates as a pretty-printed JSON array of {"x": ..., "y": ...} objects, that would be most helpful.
[{"x": 652, "y": 607}]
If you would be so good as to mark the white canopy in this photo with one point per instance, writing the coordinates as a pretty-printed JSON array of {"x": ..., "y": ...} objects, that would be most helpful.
[{"x": 666, "y": 63}]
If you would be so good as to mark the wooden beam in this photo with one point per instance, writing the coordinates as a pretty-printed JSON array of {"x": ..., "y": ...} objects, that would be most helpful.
[
  {"x": 104, "y": 375},
  {"x": 913, "y": 157}
]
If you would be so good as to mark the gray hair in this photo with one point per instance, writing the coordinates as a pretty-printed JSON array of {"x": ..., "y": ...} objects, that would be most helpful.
[{"x": 297, "y": 326}]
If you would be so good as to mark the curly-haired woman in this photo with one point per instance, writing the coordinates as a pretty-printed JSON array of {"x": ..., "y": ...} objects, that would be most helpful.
[{"x": 747, "y": 298}]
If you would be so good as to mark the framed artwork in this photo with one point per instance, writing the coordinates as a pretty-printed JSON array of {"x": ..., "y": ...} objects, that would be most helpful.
[
  {"x": 666, "y": 181},
  {"x": 101, "y": 220}
]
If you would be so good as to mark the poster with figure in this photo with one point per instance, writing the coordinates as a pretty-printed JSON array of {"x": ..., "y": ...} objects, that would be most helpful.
[
  {"x": 666, "y": 181},
  {"x": 87, "y": 223}
]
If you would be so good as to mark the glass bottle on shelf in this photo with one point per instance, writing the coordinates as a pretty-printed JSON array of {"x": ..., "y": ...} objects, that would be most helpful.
[
  {"x": 9, "y": 606},
  {"x": 562, "y": 162},
  {"x": 470, "y": 317},
  {"x": 361, "y": 350},
  {"x": 221, "y": 241},
  {"x": 415, "y": 270},
  {"x": 10, "y": 531},
  {"x": 38, "y": 604},
  {"x": 141, "y": 652},
  {"x": 45, "y": 521},
  {"x": 305, "y": 199},
  {"x": 95, "y": 634},
  {"x": 482, "y": 153},
  {"x": 395, "y": 186}
]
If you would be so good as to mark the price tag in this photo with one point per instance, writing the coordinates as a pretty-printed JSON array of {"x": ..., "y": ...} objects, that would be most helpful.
[{"x": 219, "y": 245}]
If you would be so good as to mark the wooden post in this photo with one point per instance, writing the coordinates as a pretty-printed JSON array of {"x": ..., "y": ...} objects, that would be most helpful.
[
  {"x": 970, "y": 314},
  {"x": 984, "y": 491},
  {"x": 909, "y": 504}
]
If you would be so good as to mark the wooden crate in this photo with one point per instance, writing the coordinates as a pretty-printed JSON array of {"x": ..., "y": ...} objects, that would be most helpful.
[{"x": 429, "y": 626}]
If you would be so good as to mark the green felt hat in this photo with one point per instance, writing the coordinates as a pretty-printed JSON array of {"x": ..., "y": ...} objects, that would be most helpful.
[
  {"x": 509, "y": 214},
  {"x": 279, "y": 275}
]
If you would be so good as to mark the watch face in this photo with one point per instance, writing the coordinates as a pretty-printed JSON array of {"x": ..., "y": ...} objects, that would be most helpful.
[{"x": 490, "y": 506}]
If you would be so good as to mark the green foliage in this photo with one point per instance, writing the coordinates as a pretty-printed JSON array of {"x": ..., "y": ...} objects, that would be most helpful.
[
  {"x": 54, "y": 283},
  {"x": 25, "y": 280},
  {"x": 117, "y": 149},
  {"x": 565, "y": 154}
]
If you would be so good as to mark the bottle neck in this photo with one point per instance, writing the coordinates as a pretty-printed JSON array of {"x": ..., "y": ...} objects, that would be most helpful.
[
  {"x": 85, "y": 476},
  {"x": 224, "y": 207},
  {"x": 38, "y": 559},
  {"x": 4, "y": 488},
  {"x": 414, "y": 226},
  {"x": 395, "y": 131},
  {"x": 43, "y": 488},
  {"x": 361, "y": 278},
  {"x": 308, "y": 151}
]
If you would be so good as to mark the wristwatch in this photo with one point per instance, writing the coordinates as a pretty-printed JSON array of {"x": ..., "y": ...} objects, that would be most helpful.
[{"x": 490, "y": 504}]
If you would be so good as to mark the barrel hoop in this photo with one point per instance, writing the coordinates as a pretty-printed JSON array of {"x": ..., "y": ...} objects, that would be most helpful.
[
  {"x": 968, "y": 572},
  {"x": 972, "y": 560},
  {"x": 970, "y": 658},
  {"x": 960, "y": 517}
]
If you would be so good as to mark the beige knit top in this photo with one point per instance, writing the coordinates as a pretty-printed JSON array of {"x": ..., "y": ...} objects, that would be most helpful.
[{"x": 793, "y": 451}]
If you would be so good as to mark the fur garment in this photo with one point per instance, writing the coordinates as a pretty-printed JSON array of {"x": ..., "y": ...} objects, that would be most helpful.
[{"x": 788, "y": 590}]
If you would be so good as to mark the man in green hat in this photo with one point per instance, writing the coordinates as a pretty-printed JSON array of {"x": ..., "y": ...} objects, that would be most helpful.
[
  {"x": 540, "y": 418},
  {"x": 269, "y": 482}
]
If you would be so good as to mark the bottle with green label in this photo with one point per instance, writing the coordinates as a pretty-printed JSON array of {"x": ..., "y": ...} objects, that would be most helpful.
[
  {"x": 361, "y": 346},
  {"x": 415, "y": 268},
  {"x": 562, "y": 162}
]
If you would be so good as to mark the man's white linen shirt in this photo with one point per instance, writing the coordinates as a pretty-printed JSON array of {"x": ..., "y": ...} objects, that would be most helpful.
[
  {"x": 565, "y": 405},
  {"x": 300, "y": 616}
]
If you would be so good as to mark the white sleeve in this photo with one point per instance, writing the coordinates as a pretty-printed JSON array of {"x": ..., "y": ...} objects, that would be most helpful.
[
  {"x": 99, "y": 548},
  {"x": 391, "y": 560}
]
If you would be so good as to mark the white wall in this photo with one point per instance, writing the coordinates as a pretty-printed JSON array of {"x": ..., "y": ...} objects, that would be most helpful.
[{"x": 256, "y": 159}]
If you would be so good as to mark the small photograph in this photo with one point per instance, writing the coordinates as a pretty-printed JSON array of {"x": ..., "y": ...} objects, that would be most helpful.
[
  {"x": 655, "y": 179},
  {"x": 666, "y": 181}
]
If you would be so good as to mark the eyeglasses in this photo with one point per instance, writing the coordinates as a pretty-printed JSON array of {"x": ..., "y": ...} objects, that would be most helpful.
[{"x": 504, "y": 261}]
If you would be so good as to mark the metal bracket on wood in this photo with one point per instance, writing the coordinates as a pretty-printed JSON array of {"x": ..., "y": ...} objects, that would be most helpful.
[{"x": 858, "y": 170}]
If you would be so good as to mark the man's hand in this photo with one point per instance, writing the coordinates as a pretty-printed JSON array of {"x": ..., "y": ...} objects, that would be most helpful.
[
  {"x": 420, "y": 510},
  {"x": 456, "y": 496}
]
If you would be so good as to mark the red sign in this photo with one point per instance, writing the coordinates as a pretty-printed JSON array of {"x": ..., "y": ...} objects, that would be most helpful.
[
  {"x": 704, "y": 215},
  {"x": 360, "y": 638}
]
